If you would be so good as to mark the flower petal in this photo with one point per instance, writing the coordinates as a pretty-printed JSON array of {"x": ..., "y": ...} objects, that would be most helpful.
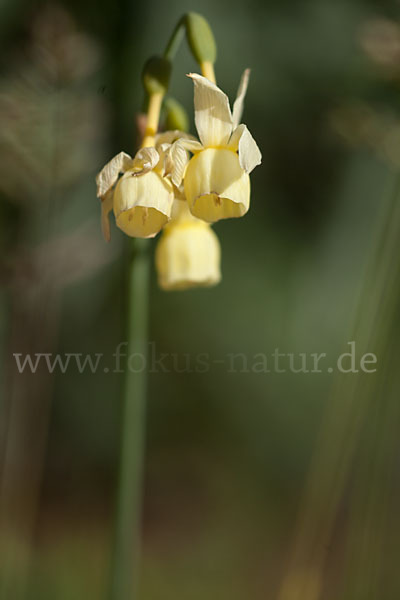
[
  {"x": 179, "y": 194},
  {"x": 192, "y": 145},
  {"x": 249, "y": 152},
  {"x": 168, "y": 137},
  {"x": 239, "y": 102},
  {"x": 216, "y": 186},
  {"x": 177, "y": 158},
  {"x": 188, "y": 255},
  {"x": 146, "y": 159},
  {"x": 142, "y": 205},
  {"x": 212, "y": 113},
  {"x": 180, "y": 212},
  {"x": 109, "y": 173},
  {"x": 166, "y": 146},
  {"x": 106, "y": 208}
]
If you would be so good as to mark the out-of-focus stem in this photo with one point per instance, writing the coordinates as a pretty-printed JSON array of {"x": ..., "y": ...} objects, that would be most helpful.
[
  {"x": 126, "y": 556},
  {"x": 176, "y": 39}
]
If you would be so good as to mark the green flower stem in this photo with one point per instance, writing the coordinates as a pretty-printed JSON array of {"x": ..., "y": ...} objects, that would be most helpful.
[
  {"x": 126, "y": 556},
  {"x": 176, "y": 39}
]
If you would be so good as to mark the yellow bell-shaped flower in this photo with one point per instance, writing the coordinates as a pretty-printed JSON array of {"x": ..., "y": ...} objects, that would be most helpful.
[
  {"x": 216, "y": 179},
  {"x": 142, "y": 205},
  {"x": 216, "y": 186},
  {"x": 188, "y": 252},
  {"x": 142, "y": 198}
]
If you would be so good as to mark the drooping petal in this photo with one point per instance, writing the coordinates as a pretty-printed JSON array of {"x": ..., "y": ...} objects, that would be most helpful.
[
  {"x": 163, "y": 164},
  {"x": 109, "y": 173},
  {"x": 145, "y": 160},
  {"x": 173, "y": 159},
  {"x": 177, "y": 158},
  {"x": 212, "y": 113},
  {"x": 239, "y": 102},
  {"x": 245, "y": 144},
  {"x": 106, "y": 208},
  {"x": 168, "y": 137},
  {"x": 191, "y": 145}
]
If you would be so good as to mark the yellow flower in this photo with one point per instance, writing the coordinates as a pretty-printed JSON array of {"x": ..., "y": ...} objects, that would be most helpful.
[
  {"x": 216, "y": 180},
  {"x": 142, "y": 198},
  {"x": 188, "y": 252}
]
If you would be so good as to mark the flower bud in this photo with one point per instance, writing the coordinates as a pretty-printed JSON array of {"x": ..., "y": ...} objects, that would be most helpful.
[
  {"x": 216, "y": 186},
  {"x": 200, "y": 38},
  {"x": 142, "y": 203},
  {"x": 156, "y": 75}
]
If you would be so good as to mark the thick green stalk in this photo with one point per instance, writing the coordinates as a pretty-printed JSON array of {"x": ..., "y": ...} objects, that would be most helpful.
[{"x": 126, "y": 556}]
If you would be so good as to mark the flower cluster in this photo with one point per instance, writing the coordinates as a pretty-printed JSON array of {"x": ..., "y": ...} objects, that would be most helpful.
[{"x": 181, "y": 186}]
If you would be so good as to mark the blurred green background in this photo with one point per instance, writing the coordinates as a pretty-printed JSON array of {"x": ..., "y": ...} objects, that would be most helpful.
[{"x": 257, "y": 485}]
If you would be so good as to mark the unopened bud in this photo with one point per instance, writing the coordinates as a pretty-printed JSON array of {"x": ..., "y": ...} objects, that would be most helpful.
[
  {"x": 156, "y": 75},
  {"x": 200, "y": 38}
]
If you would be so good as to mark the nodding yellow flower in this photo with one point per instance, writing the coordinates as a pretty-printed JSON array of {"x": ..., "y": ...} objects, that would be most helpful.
[
  {"x": 142, "y": 198},
  {"x": 142, "y": 204},
  {"x": 188, "y": 252},
  {"x": 216, "y": 179}
]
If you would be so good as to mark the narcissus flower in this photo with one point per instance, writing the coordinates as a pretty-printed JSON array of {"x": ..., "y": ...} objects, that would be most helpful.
[
  {"x": 216, "y": 180},
  {"x": 188, "y": 252},
  {"x": 142, "y": 198}
]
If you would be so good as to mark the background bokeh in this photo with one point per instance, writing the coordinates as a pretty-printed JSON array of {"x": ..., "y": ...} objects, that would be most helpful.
[{"x": 257, "y": 485}]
